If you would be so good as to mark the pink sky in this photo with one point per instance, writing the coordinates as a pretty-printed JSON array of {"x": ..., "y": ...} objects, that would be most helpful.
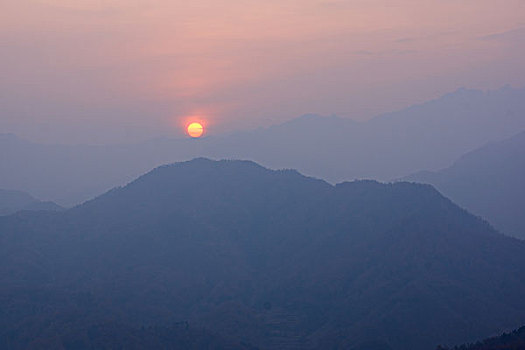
[{"x": 117, "y": 71}]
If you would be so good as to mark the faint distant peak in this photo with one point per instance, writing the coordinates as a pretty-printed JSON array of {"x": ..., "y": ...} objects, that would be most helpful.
[
  {"x": 8, "y": 136},
  {"x": 459, "y": 96},
  {"x": 12, "y": 138},
  {"x": 312, "y": 116},
  {"x": 467, "y": 92},
  {"x": 462, "y": 93},
  {"x": 4, "y": 193},
  {"x": 315, "y": 120},
  {"x": 513, "y": 34},
  {"x": 318, "y": 117}
]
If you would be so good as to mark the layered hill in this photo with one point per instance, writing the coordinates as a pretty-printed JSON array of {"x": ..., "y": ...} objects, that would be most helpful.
[
  {"x": 262, "y": 258},
  {"x": 13, "y": 201},
  {"x": 428, "y": 136},
  {"x": 489, "y": 182}
]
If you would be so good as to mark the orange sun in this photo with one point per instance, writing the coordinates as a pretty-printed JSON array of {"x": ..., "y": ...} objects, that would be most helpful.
[{"x": 195, "y": 130}]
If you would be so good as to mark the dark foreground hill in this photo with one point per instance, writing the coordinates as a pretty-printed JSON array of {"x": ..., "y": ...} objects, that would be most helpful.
[
  {"x": 489, "y": 181},
  {"x": 429, "y": 136},
  {"x": 267, "y": 258},
  {"x": 514, "y": 340}
]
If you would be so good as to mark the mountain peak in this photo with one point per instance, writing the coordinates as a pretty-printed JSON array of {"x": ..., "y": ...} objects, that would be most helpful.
[{"x": 242, "y": 249}]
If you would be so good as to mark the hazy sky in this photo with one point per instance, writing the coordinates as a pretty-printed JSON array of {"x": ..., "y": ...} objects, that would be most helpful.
[{"x": 123, "y": 70}]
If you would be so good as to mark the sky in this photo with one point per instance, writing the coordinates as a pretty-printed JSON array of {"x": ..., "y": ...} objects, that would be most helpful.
[{"x": 114, "y": 71}]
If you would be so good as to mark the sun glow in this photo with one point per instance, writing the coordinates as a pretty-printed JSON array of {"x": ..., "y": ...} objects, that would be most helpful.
[{"x": 195, "y": 130}]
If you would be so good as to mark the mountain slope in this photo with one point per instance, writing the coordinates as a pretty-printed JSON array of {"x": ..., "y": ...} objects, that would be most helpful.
[
  {"x": 270, "y": 258},
  {"x": 428, "y": 136},
  {"x": 13, "y": 201},
  {"x": 514, "y": 340},
  {"x": 489, "y": 182}
]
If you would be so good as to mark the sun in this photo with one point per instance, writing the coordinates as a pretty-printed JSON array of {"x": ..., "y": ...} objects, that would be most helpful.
[{"x": 195, "y": 130}]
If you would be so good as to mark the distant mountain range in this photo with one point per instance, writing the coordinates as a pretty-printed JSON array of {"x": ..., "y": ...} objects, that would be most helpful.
[
  {"x": 429, "y": 136},
  {"x": 489, "y": 182},
  {"x": 14, "y": 201},
  {"x": 262, "y": 258}
]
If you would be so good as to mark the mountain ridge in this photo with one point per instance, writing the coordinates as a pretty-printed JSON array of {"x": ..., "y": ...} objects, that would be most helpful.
[
  {"x": 269, "y": 258},
  {"x": 12, "y": 201},
  {"x": 488, "y": 181},
  {"x": 332, "y": 148}
]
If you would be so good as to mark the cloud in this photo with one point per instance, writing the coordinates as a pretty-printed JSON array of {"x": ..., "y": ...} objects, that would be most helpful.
[{"x": 517, "y": 34}]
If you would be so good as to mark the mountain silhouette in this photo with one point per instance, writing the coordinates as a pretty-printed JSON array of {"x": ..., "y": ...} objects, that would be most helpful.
[
  {"x": 273, "y": 259},
  {"x": 489, "y": 181},
  {"x": 428, "y": 136},
  {"x": 13, "y": 201},
  {"x": 514, "y": 340}
]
